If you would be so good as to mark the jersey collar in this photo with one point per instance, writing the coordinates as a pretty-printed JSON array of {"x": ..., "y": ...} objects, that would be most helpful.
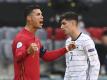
[
  {"x": 27, "y": 32},
  {"x": 77, "y": 37}
]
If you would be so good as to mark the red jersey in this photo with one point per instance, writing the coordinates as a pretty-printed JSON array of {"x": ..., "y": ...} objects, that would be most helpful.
[{"x": 27, "y": 66}]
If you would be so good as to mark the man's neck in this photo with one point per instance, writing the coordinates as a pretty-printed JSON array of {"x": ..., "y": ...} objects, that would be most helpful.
[
  {"x": 75, "y": 35},
  {"x": 30, "y": 28}
]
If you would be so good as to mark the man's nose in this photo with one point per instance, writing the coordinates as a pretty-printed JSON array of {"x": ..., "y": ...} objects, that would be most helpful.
[
  {"x": 61, "y": 26},
  {"x": 42, "y": 16}
]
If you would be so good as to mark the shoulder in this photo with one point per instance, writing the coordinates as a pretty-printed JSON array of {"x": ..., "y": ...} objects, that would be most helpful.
[
  {"x": 20, "y": 37},
  {"x": 18, "y": 41},
  {"x": 86, "y": 39}
]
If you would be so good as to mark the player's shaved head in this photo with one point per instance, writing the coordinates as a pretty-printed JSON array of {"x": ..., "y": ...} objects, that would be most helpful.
[{"x": 29, "y": 9}]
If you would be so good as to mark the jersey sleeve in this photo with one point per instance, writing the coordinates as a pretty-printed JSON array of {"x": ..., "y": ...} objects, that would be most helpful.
[
  {"x": 20, "y": 52},
  {"x": 93, "y": 60},
  {"x": 52, "y": 55}
]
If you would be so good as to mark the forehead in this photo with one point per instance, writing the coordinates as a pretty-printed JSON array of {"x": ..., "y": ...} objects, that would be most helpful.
[
  {"x": 36, "y": 11},
  {"x": 65, "y": 21}
]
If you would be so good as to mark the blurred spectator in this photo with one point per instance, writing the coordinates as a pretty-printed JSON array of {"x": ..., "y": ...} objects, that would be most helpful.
[
  {"x": 50, "y": 37},
  {"x": 57, "y": 16},
  {"x": 42, "y": 34},
  {"x": 53, "y": 21},
  {"x": 102, "y": 52},
  {"x": 96, "y": 34},
  {"x": 1, "y": 34},
  {"x": 104, "y": 49},
  {"x": 10, "y": 33},
  {"x": 59, "y": 38},
  {"x": 59, "y": 41},
  {"x": 81, "y": 25}
]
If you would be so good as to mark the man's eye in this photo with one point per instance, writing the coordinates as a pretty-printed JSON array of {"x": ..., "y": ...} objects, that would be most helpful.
[
  {"x": 63, "y": 23},
  {"x": 38, "y": 14}
]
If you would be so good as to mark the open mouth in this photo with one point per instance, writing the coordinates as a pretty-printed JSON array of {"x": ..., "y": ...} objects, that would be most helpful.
[
  {"x": 63, "y": 30},
  {"x": 41, "y": 22}
]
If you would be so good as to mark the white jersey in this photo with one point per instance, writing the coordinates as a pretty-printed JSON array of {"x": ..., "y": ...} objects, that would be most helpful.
[{"x": 82, "y": 63}]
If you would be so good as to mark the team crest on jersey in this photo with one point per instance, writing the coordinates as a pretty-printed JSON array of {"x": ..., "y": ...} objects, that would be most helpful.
[{"x": 19, "y": 44}]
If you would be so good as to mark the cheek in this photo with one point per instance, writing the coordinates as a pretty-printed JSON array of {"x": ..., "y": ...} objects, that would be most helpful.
[
  {"x": 35, "y": 19},
  {"x": 105, "y": 40},
  {"x": 36, "y": 22},
  {"x": 68, "y": 27}
]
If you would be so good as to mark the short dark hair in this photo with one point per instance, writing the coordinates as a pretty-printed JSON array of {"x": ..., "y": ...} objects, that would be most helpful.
[
  {"x": 69, "y": 16},
  {"x": 30, "y": 8}
]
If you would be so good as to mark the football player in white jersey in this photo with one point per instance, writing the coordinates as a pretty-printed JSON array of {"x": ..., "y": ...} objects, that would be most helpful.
[{"x": 82, "y": 63}]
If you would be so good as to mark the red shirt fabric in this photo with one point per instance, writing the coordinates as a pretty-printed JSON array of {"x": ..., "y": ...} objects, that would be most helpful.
[{"x": 27, "y": 66}]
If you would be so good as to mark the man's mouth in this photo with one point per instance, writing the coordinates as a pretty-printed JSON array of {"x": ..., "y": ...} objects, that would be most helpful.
[
  {"x": 41, "y": 22},
  {"x": 63, "y": 30}
]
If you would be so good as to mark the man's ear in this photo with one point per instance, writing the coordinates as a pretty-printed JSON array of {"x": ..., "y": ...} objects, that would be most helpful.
[
  {"x": 74, "y": 22},
  {"x": 29, "y": 18}
]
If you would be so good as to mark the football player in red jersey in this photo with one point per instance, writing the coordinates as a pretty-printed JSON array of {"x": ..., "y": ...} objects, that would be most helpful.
[{"x": 27, "y": 48}]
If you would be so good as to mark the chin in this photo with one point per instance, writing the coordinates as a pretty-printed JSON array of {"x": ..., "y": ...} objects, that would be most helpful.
[
  {"x": 66, "y": 33},
  {"x": 39, "y": 27}
]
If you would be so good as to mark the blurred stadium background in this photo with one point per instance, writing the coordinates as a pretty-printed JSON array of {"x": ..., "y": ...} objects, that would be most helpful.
[{"x": 92, "y": 21}]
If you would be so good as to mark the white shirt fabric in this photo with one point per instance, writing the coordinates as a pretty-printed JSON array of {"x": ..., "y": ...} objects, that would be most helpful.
[{"x": 82, "y": 63}]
